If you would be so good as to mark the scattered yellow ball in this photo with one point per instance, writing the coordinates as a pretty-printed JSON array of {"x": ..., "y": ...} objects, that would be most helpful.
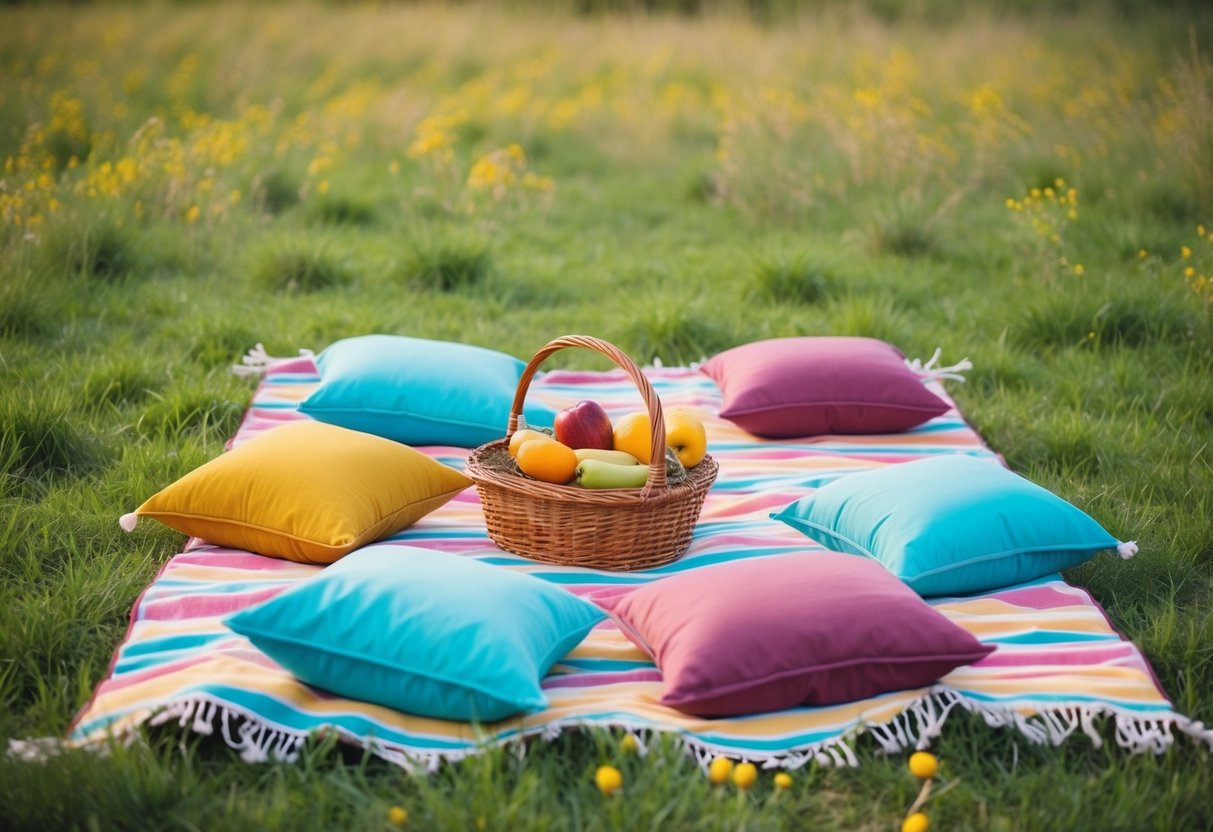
[
  {"x": 923, "y": 764},
  {"x": 783, "y": 781},
  {"x": 398, "y": 816},
  {"x": 608, "y": 779},
  {"x": 917, "y": 822},
  {"x": 629, "y": 744},
  {"x": 720, "y": 769},
  {"x": 745, "y": 775}
]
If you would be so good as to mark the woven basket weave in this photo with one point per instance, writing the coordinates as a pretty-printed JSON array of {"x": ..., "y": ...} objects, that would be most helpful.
[{"x": 617, "y": 528}]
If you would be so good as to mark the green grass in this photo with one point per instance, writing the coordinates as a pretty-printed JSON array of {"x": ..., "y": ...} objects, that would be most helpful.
[{"x": 714, "y": 179}]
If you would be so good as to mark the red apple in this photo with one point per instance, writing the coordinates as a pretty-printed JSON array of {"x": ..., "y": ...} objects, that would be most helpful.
[{"x": 584, "y": 425}]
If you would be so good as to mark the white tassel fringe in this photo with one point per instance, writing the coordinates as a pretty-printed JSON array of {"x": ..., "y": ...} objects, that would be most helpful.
[
  {"x": 256, "y": 361},
  {"x": 929, "y": 372},
  {"x": 259, "y": 741}
]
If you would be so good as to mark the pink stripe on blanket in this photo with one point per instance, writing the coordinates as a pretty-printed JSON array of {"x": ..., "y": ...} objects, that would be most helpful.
[
  {"x": 183, "y": 607},
  {"x": 230, "y": 559},
  {"x": 1117, "y": 653},
  {"x": 140, "y": 676},
  {"x": 1039, "y": 597},
  {"x": 303, "y": 364},
  {"x": 590, "y": 680}
]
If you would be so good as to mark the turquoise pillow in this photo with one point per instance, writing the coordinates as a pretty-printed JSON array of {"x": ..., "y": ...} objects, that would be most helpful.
[
  {"x": 951, "y": 525},
  {"x": 419, "y": 392},
  {"x": 424, "y": 632}
]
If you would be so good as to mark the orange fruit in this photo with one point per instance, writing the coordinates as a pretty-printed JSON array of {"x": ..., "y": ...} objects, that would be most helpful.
[
  {"x": 523, "y": 436},
  {"x": 547, "y": 460},
  {"x": 633, "y": 435}
]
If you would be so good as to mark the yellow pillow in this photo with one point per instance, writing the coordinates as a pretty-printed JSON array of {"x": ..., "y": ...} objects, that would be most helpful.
[{"x": 305, "y": 491}]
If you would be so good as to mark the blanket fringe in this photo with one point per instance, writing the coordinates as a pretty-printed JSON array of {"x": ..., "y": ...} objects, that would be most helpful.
[
  {"x": 929, "y": 372},
  {"x": 914, "y": 728},
  {"x": 256, "y": 361}
]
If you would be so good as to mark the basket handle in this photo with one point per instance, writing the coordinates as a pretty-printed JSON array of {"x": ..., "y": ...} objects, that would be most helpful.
[{"x": 657, "y": 478}]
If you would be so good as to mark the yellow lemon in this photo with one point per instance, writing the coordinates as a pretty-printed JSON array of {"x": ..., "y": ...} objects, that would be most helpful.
[
  {"x": 720, "y": 769},
  {"x": 608, "y": 779},
  {"x": 745, "y": 775},
  {"x": 633, "y": 435},
  {"x": 923, "y": 764},
  {"x": 917, "y": 822}
]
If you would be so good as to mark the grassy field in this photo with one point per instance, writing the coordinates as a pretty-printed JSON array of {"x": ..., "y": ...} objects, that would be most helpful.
[{"x": 1032, "y": 190}]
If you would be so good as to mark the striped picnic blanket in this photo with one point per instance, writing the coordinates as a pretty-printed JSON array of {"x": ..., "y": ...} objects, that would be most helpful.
[{"x": 1060, "y": 667}]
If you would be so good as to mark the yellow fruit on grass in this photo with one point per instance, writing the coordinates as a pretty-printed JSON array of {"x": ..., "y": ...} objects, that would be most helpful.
[
  {"x": 917, "y": 822},
  {"x": 745, "y": 775},
  {"x": 608, "y": 779},
  {"x": 521, "y": 437},
  {"x": 923, "y": 764},
  {"x": 719, "y": 770},
  {"x": 684, "y": 433},
  {"x": 548, "y": 460}
]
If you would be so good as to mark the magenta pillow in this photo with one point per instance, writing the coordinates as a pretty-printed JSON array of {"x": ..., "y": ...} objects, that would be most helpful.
[
  {"x": 773, "y": 633},
  {"x": 813, "y": 385}
]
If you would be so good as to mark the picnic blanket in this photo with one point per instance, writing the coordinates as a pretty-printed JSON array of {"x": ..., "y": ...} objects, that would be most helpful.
[{"x": 1059, "y": 667}]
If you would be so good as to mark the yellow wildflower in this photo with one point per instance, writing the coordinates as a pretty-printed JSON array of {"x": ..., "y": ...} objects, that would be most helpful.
[
  {"x": 608, "y": 779},
  {"x": 745, "y": 775}
]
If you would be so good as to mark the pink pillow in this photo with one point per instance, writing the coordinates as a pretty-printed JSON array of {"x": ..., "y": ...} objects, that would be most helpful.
[
  {"x": 813, "y": 385},
  {"x": 773, "y": 633}
]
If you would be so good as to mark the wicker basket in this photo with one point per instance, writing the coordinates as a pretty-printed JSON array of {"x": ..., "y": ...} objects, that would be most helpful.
[{"x": 617, "y": 528}]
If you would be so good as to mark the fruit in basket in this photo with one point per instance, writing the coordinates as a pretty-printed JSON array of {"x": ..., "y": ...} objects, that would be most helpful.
[
  {"x": 617, "y": 457},
  {"x": 633, "y": 435},
  {"x": 684, "y": 433},
  {"x": 547, "y": 460},
  {"x": 524, "y": 435},
  {"x": 584, "y": 425},
  {"x": 594, "y": 473}
]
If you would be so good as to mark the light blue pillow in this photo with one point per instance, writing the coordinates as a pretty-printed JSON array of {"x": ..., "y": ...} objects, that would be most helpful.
[
  {"x": 418, "y": 391},
  {"x": 951, "y": 525},
  {"x": 424, "y": 632}
]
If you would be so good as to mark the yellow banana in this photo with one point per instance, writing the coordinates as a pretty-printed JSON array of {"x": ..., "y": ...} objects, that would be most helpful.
[
  {"x": 594, "y": 473},
  {"x": 616, "y": 457}
]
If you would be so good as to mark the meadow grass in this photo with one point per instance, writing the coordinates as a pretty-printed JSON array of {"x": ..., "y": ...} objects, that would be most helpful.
[{"x": 1026, "y": 186}]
